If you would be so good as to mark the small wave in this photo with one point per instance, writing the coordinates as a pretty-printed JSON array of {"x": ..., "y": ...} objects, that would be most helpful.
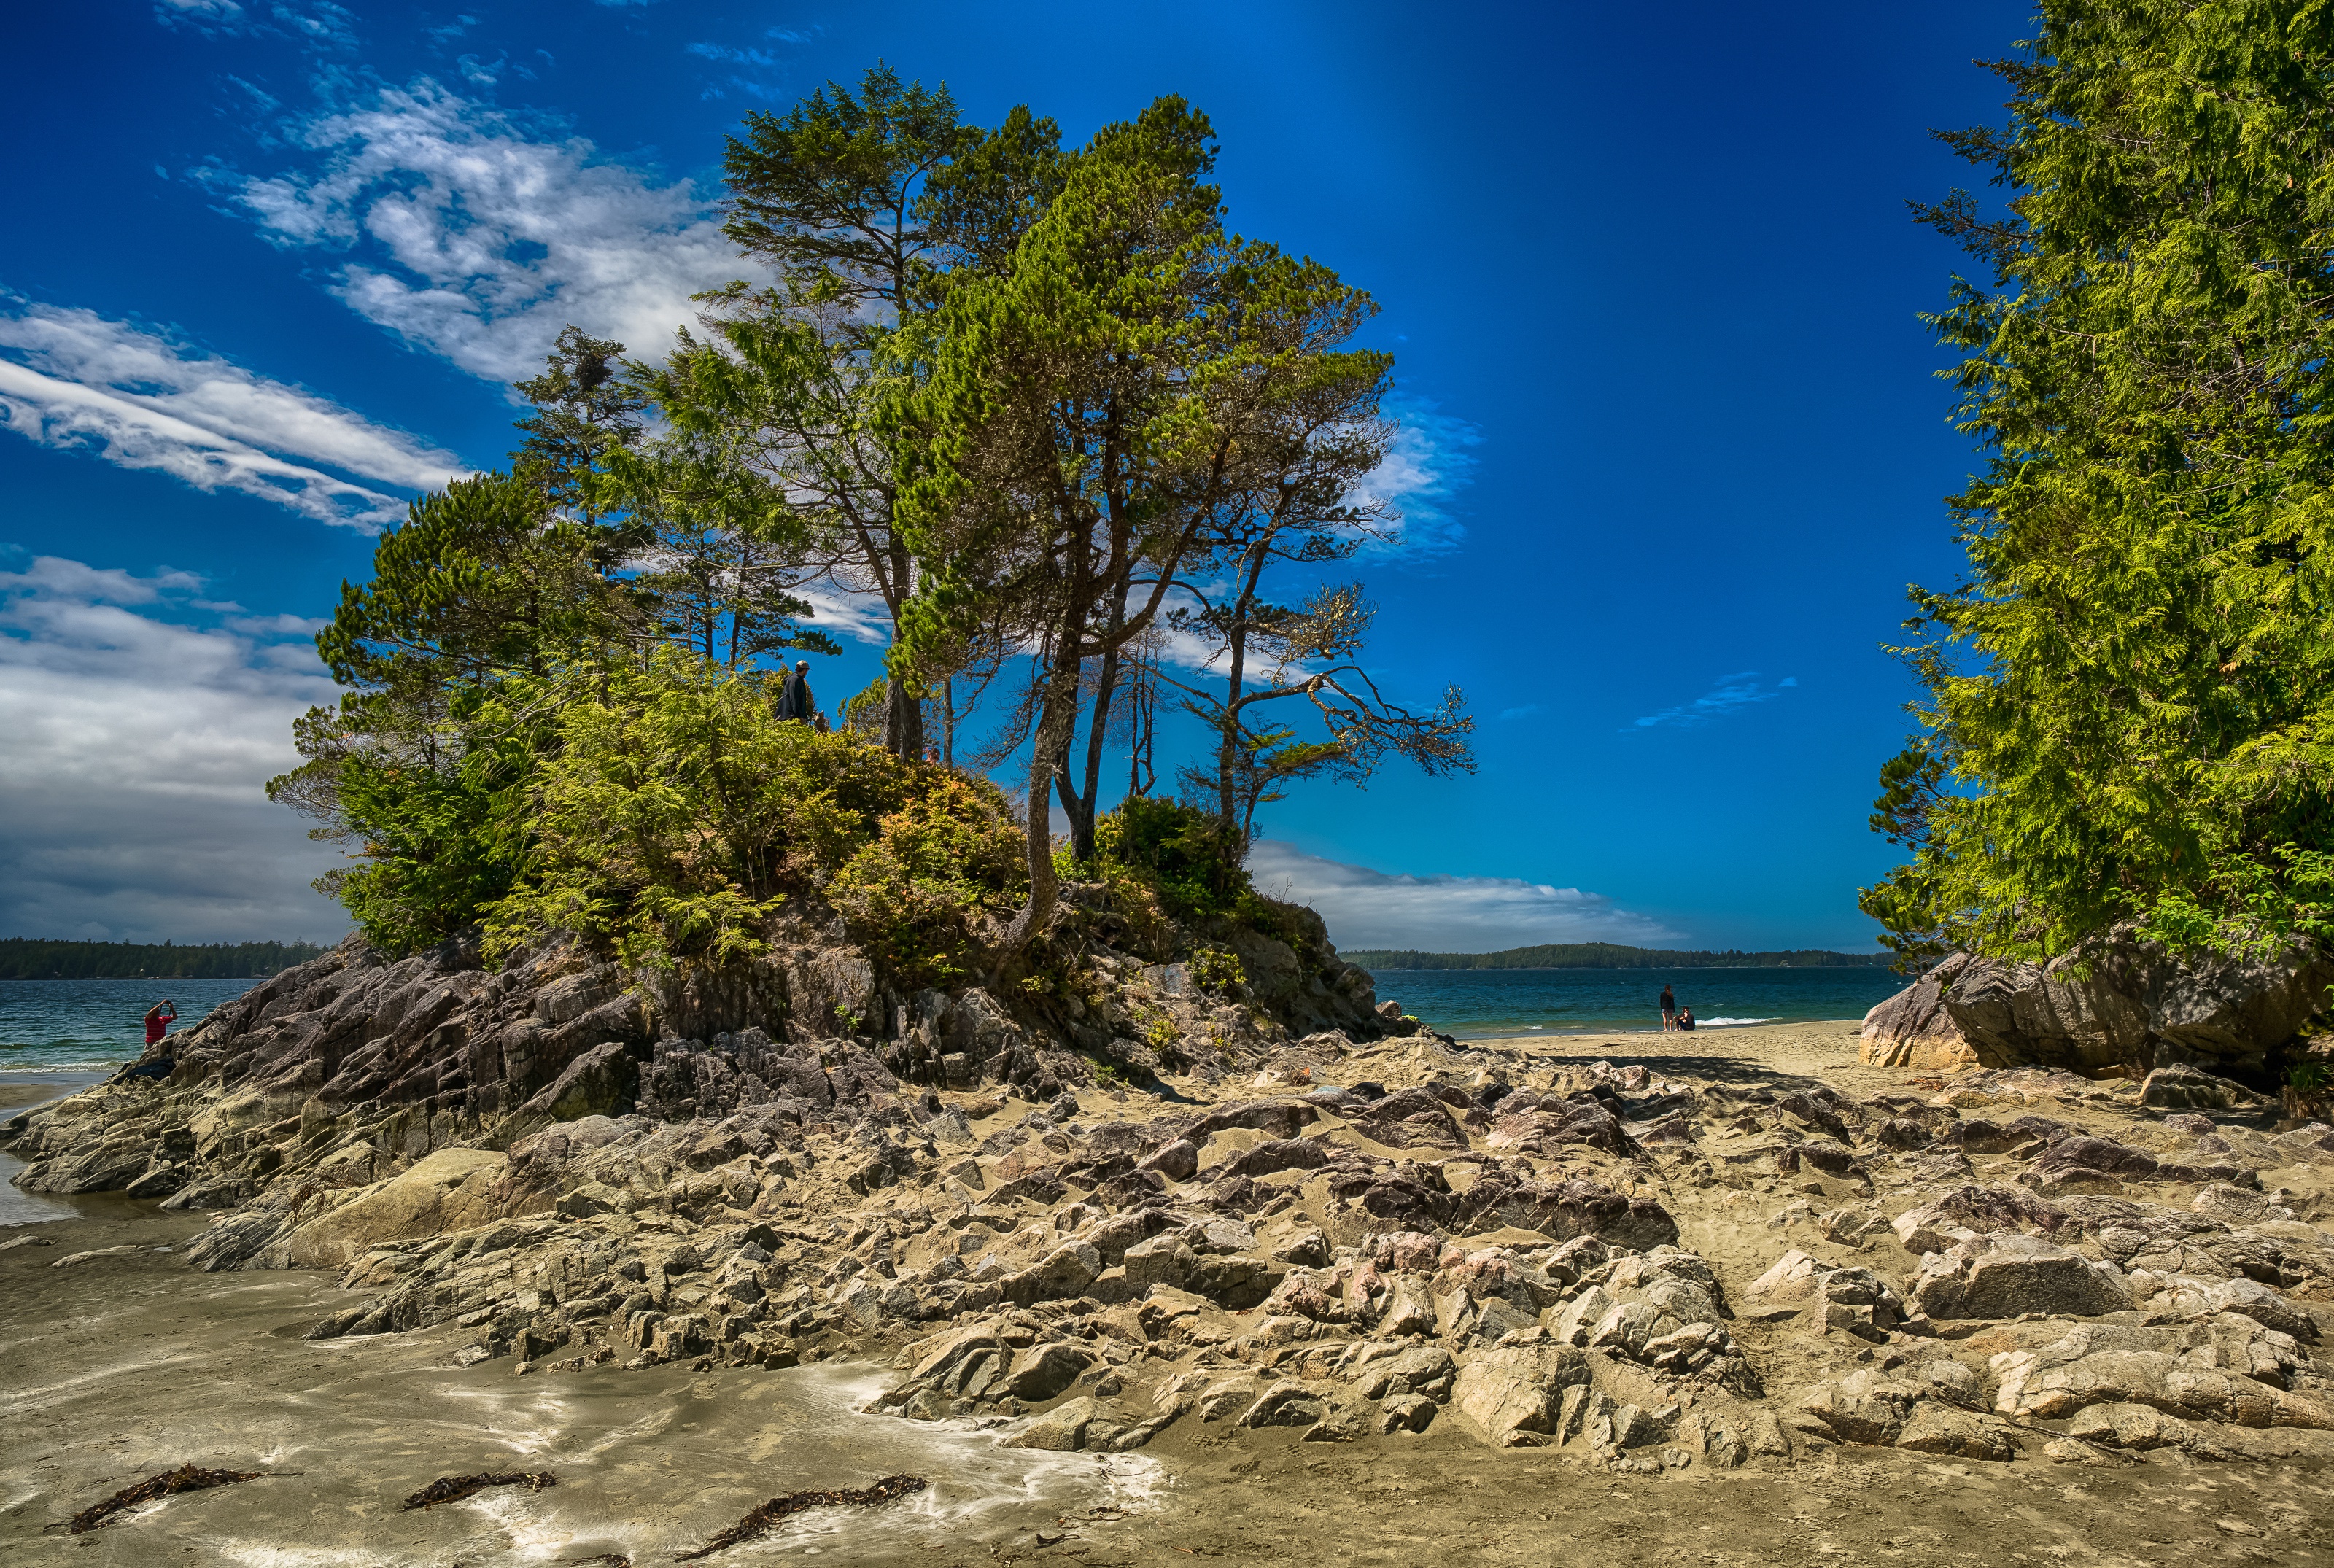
[{"x": 1724, "y": 1023}]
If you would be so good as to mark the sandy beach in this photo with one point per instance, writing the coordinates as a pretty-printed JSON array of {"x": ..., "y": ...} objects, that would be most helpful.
[{"x": 124, "y": 1364}]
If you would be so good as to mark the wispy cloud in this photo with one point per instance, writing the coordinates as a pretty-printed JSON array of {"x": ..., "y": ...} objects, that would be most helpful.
[
  {"x": 319, "y": 24},
  {"x": 477, "y": 236},
  {"x": 1430, "y": 460},
  {"x": 1526, "y": 711},
  {"x": 1365, "y": 908},
  {"x": 1727, "y": 694},
  {"x": 727, "y": 55},
  {"x": 749, "y": 59},
  {"x": 138, "y": 741},
  {"x": 140, "y": 398}
]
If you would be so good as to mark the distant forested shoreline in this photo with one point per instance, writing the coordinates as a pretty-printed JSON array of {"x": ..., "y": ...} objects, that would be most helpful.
[
  {"x": 29, "y": 958},
  {"x": 1608, "y": 955}
]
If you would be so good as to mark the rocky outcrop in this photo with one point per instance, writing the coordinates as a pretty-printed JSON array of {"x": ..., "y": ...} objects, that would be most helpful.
[
  {"x": 2117, "y": 1004},
  {"x": 1346, "y": 1240}
]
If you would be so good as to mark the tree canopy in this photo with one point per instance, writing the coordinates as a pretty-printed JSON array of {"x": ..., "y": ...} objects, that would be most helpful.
[
  {"x": 1041, "y": 404},
  {"x": 2128, "y": 703}
]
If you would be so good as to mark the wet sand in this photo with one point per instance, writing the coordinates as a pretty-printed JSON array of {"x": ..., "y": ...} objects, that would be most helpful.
[{"x": 120, "y": 1367}]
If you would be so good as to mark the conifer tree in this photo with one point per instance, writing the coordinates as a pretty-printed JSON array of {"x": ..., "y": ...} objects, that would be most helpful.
[{"x": 2128, "y": 705}]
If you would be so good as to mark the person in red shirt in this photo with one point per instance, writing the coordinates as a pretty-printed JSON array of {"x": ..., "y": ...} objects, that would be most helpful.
[{"x": 159, "y": 1019}]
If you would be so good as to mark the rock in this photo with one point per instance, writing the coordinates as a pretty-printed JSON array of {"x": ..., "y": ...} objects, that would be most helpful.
[
  {"x": 1915, "y": 1029},
  {"x": 1409, "y": 1311},
  {"x": 598, "y": 1083},
  {"x": 1306, "y": 1249},
  {"x": 2141, "y": 1427},
  {"x": 2180, "y": 1087},
  {"x": 1933, "y": 1429},
  {"x": 2002, "y": 1275},
  {"x": 1290, "y": 1403},
  {"x": 1177, "y": 1162},
  {"x": 2185, "y": 1373},
  {"x": 1041, "y": 1372},
  {"x": 1228, "y": 1397},
  {"x": 1511, "y": 1393},
  {"x": 2112, "y": 1002},
  {"x": 71, "y": 1258},
  {"x": 1405, "y": 1413},
  {"x": 1862, "y": 1408},
  {"x": 1425, "y": 1369},
  {"x": 1062, "y": 1430},
  {"x": 2233, "y": 1204},
  {"x": 453, "y": 1189},
  {"x": 1063, "y": 1273},
  {"x": 107, "y": 1168}
]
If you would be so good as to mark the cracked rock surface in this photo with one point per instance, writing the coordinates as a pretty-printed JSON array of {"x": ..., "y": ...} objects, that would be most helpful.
[{"x": 1649, "y": 1259}]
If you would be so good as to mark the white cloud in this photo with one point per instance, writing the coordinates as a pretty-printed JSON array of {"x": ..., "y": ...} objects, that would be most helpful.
[
  {"x": 1727, "y": 693},
  {"x": 140, "y": 399},
  {"x": 137, "y": 745},
  {"x": 1428, "y": 461},
  {"x": 474, "y": 240},
  {"x": 1441, "y": 914}
]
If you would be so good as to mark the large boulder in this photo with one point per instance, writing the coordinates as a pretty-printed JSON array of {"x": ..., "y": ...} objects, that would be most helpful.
[
  {"x": 2004, "y": 1276},
  {"x": 2115, "y": 1003},
  {"x": 453, "y": 1189},
  {"x": 598, "y": 1083},
  {"x": 1512, "y": 1394}
]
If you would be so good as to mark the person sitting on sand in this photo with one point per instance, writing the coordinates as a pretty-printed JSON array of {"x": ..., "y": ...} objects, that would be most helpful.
[
  {"x": 159, "y": 1019},
  {"x": 1685, "y": 1018},
  {"x": 1669, "y": 1009}
]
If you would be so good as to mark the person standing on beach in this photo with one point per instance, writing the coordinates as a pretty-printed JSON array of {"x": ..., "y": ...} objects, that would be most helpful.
[
  {"x": 159, "y": 1019},
  {"x": 1669, "y": 1009}
]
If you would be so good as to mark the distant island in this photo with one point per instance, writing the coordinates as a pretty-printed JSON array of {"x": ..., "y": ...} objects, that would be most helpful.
[
  {"x": 1608, "y": 955},
  {"x": 28, "y": 959}
]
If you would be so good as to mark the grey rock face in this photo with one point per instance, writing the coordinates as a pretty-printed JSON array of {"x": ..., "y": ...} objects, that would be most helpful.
[
  {"x": 2117, "y": 1004},
  {"x": 2002, "y": 1276}
]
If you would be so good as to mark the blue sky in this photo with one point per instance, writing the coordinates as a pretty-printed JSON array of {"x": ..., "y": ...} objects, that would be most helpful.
[{"x": 1674, "y": 444}]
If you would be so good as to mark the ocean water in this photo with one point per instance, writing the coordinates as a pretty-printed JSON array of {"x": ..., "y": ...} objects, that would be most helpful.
[
  {"x": 1485, "y": 1002},
  {"x": 78, "y": 1028}
]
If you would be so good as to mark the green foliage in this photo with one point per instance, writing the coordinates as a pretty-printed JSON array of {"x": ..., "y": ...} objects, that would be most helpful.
[
  {"x": 2311, "y": 1077},
  {"x": 2246, "y": 906},
  {"x": 1218, "y": 969},
  {"x": 677, "y": 813},
  {"x": 585, "y": 414},
  {"x": 2129, "y": 703},
  {"x": 921, "y": 894},
  {"x": 1187, "y": 855},
  {"x": 443, "y": 835}
]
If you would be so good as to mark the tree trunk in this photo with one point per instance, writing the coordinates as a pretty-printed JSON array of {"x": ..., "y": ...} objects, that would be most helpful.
[
  {"x": 1045, "y": 754},
  {"x": 903, "y": 721},
  {"x": 1079, "y": 803}
]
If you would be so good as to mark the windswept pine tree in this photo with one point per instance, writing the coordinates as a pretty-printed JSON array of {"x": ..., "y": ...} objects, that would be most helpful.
[{"x": 2128, "y": 707}]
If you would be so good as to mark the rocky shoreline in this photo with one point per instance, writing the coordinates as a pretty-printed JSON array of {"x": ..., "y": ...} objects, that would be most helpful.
[{"x": 1327, "y": 1238}]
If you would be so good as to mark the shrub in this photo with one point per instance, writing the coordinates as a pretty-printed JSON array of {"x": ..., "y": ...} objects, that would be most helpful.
[
  {"x": 1188, "y": 855},
  {"x": 677, "y": 813},
  {"x": 916, "y": 894},
  {"x": 1217, "y": 970}
]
